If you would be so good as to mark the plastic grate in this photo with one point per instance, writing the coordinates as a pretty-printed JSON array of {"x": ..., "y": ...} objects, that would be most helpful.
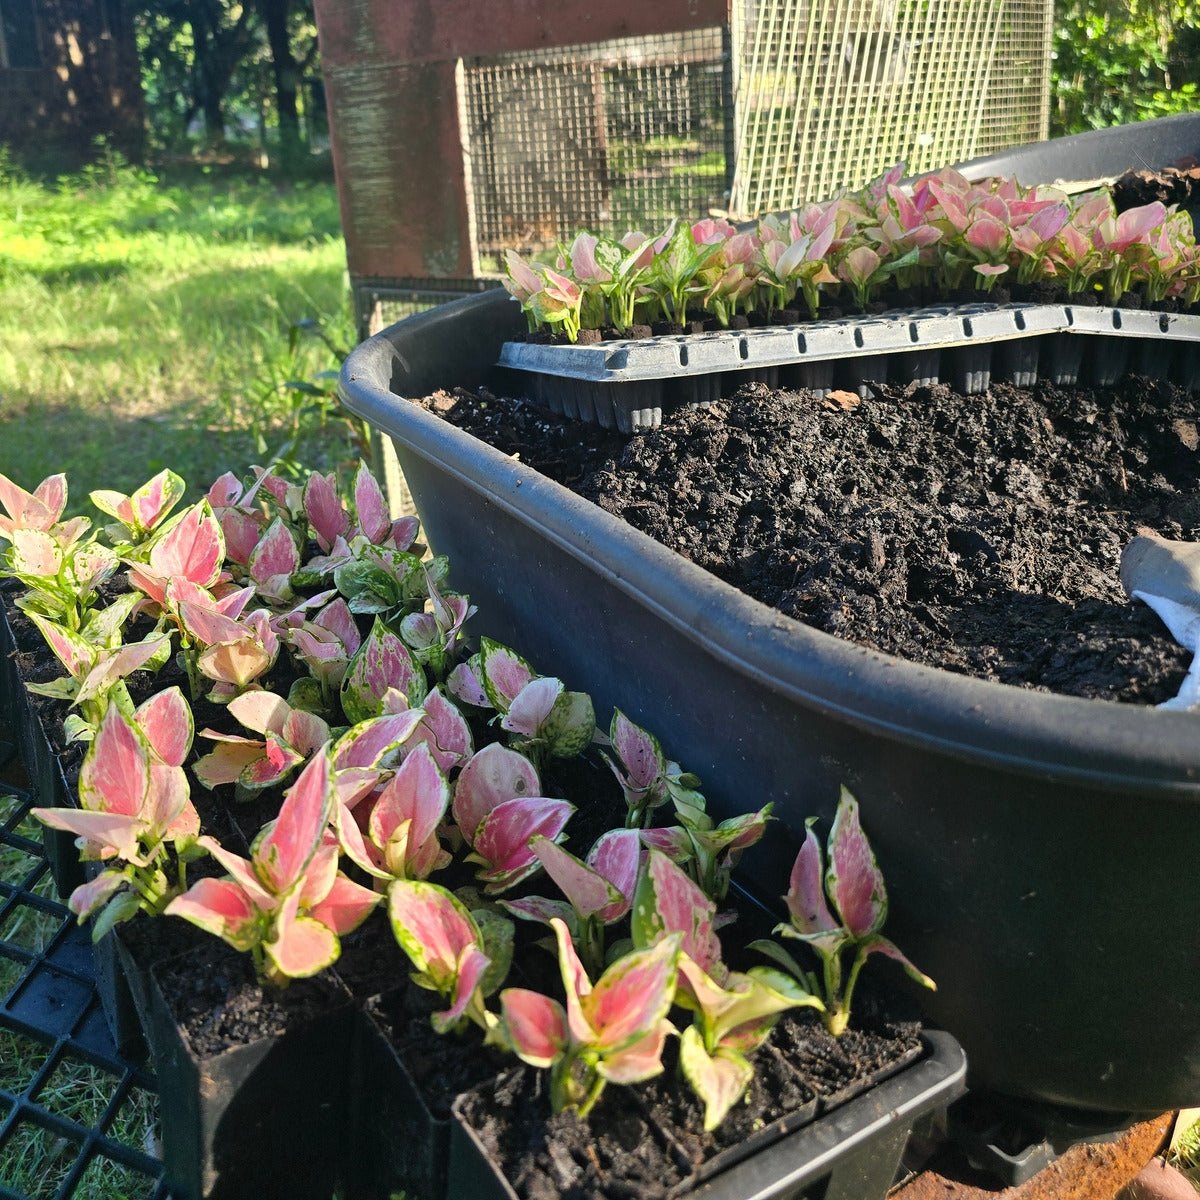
[{"x": 75, "y": 1119}]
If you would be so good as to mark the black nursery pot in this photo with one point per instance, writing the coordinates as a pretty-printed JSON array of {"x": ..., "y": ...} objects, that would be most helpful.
[
  {"x": 854, "y": 1150},
  {"x": 1029, "y": 840},
  {"x": 263, "y": 1116}
]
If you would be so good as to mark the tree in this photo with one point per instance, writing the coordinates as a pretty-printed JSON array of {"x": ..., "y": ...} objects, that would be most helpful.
[{"x": 1124, "y": 60}]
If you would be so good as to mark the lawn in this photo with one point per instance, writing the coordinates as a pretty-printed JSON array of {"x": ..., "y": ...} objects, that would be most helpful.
[{"x": 144, "y": 323}]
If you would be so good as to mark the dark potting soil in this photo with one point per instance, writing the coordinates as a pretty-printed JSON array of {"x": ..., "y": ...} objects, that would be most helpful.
[
  {"x": 218, "y": 1004},
  {"x": 371, "y": 961},
  {"x": 978, "y": 534},
  {"x": 641, "y": 1142},
  {"x": 442, "y": 1065}
]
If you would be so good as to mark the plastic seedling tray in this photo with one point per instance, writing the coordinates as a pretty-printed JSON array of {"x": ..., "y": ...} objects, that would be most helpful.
[
  {"x": 626, "y": 385},
  {"x": 76, "y": 1119}
]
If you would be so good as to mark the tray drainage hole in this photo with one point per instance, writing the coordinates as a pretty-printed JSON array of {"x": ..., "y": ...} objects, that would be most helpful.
[
  {"x": 1019, "y": 319},
  {"x": 1116, "y": 318},
  {"x": 801, "y": 344},
  {"x": 683, "y": 356},
  {"x": 1164, "y": 322},
  {"x": 913, "y": 333},
  {"x": 967, "y": 327},
  {"x": 858, "y": 337},
  {"x": 743, "y": 348}
]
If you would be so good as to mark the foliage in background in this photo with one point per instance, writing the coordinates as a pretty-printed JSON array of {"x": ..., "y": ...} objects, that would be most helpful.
[
  {"x": 147, "y": 320},
  {"x": 1117, "y": 61}
]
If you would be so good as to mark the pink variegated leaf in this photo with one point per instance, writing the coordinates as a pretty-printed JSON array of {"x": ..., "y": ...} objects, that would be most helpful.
[
  {"x": 617, "y": 856},
  {"x": 113, "y": 665},
  {"x": 859, "y": 265},
  {"x": 639, "y": 1062},
  {"x": 806, "y": 894},
  {"x": 471, "y": 967},
  {"x": 629, "y": 1000},
  {"x": 302, "y": 946},
  {"x": 339, "y": 620},
  {"x": 237, "y": 663},
  {"x": 193, "y": 547},
  {"x": 370, "y": 506},
  {"x": 418, "y": 793},
  {"x": 241, "y": 531},
  {"x": 346, "y": 905},
  {"x": 166, "y": 720},
  {"x": 493, "y": 775},
  {"x": 321, "y": 652},
  {"x": 588, "y": 891},
  {"x": 464, "y": 683},
  {"x": 208, "y": 627},
  {"x": 273, "y": 765},
  {"x": 69, "y": 648},
  {"x": 88, "y": 897},
  {"x": 502, "y": 839},
  {"x": 381, "y": 662},
  {"x": 115, "y": 774},
  {"x": 225, "y": 490},
  {"x": 853, "y": 879},
  {"x": 327, "y": 518},
  {"x": 264, "y": 712},
  {"x": 286, "y": 850},
  {"x": 672, "y": 840},
  {"x": 404, "y": 532},
  {"x": 355, "y": 846},
  {"x": 371, "y": 743},
  {"x": 275, "y": 555},
  {"x": 531, "y": 707},
  {"x": 35, "y": 554},
  {"x": 355, "y": 784},
  {"x": 539, "y": 908},
  {"x": 242, "y": 872},
  {"x": 433, "y": 928},
  {"x": 151, "y": 502},
  {"x": 637, "y": 750},
  {"x": 576, "y": 985},
  {"x": 444, "y": 730},
  {"x": 503, "y": 673},
  {"x": 989, "y": 269},
  {"x": 186, "y": 824},
  {"x": 667, "y": 902},
  {"x": 878, "y": 944},
  {"x": 719, "y": 1080},
  {"x": 226, "y": 762},
  {"x": 36, "y": 510},
  {"x": 535, "y": 1025},
  {"x": 116, "y": 833},
  {"x": 220, "y": 907},
  {"x": 166, "y": 798},
  {"x": 304, "y": 731}
]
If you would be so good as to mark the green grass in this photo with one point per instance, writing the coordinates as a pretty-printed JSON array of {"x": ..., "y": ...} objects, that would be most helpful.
[{"x": 144, "y": 323}]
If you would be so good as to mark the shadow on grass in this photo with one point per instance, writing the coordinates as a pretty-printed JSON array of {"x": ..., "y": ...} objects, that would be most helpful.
[{"x": 83, "y": 271}]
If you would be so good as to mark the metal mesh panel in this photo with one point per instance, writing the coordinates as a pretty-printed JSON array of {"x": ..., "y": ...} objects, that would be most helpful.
[
  {"x": 830, "y": 92},
  {"x": 608, "y": 136}
]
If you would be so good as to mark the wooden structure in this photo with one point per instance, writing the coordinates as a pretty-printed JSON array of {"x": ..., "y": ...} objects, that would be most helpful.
[{"x": 68, "y": 74}]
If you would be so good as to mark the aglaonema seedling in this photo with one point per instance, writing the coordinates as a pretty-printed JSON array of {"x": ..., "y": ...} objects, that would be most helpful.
[{"x": 838, "y": 911}]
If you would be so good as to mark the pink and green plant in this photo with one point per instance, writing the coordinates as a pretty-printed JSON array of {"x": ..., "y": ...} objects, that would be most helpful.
[
  {"x": 383, "y": 662},
  {"x": 135, "y": 813},
  {"x": 289, "y": 904},
  {"x": 137, "y": 515},
  {"x": 837, "y": 910},
  {"x": 647, "y": 777},
  {"x": 612, "y": 1032}
]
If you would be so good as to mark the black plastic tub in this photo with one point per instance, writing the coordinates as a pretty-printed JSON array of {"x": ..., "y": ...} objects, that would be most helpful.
[
  {"x": 854, "y": 1150},
  {"x": 1041, "y": 850}
]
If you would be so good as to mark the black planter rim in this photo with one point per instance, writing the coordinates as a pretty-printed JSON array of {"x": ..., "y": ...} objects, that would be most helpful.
[{"x": 1096, "y": 743}]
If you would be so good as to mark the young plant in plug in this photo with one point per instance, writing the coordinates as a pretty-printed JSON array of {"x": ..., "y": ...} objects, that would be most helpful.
[
  {"x": 325, "y": 644},
  {"x": 290, "y": 737},
  {"x": 463, "y": 956},
  {"x": 734, "y": 1013},
  {"x": 374, "y": 523},
  {"x": 136, "y": 814},
  {"x": 709, "y": 851},
  {"x": 599, "y": 891},
  {"x": 190, "y": 546},
  {"x": 647, "y": 778},
  {"x": 837, "y": 911},
  {"x": 381, "y": 663},
  {"x": 385, "y": 582},
  {"x": 613, "y": 1031},
  {"x": 138, "y": 515},
  {"x": 402, "y": 826},
  {"x": 435, "y": 635},
  {"x": 542, "y": 715},
  {"x": 289, "y": 903},
  {"x": 499, "y": 809},
  {"x": 96, "y": 673}
]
